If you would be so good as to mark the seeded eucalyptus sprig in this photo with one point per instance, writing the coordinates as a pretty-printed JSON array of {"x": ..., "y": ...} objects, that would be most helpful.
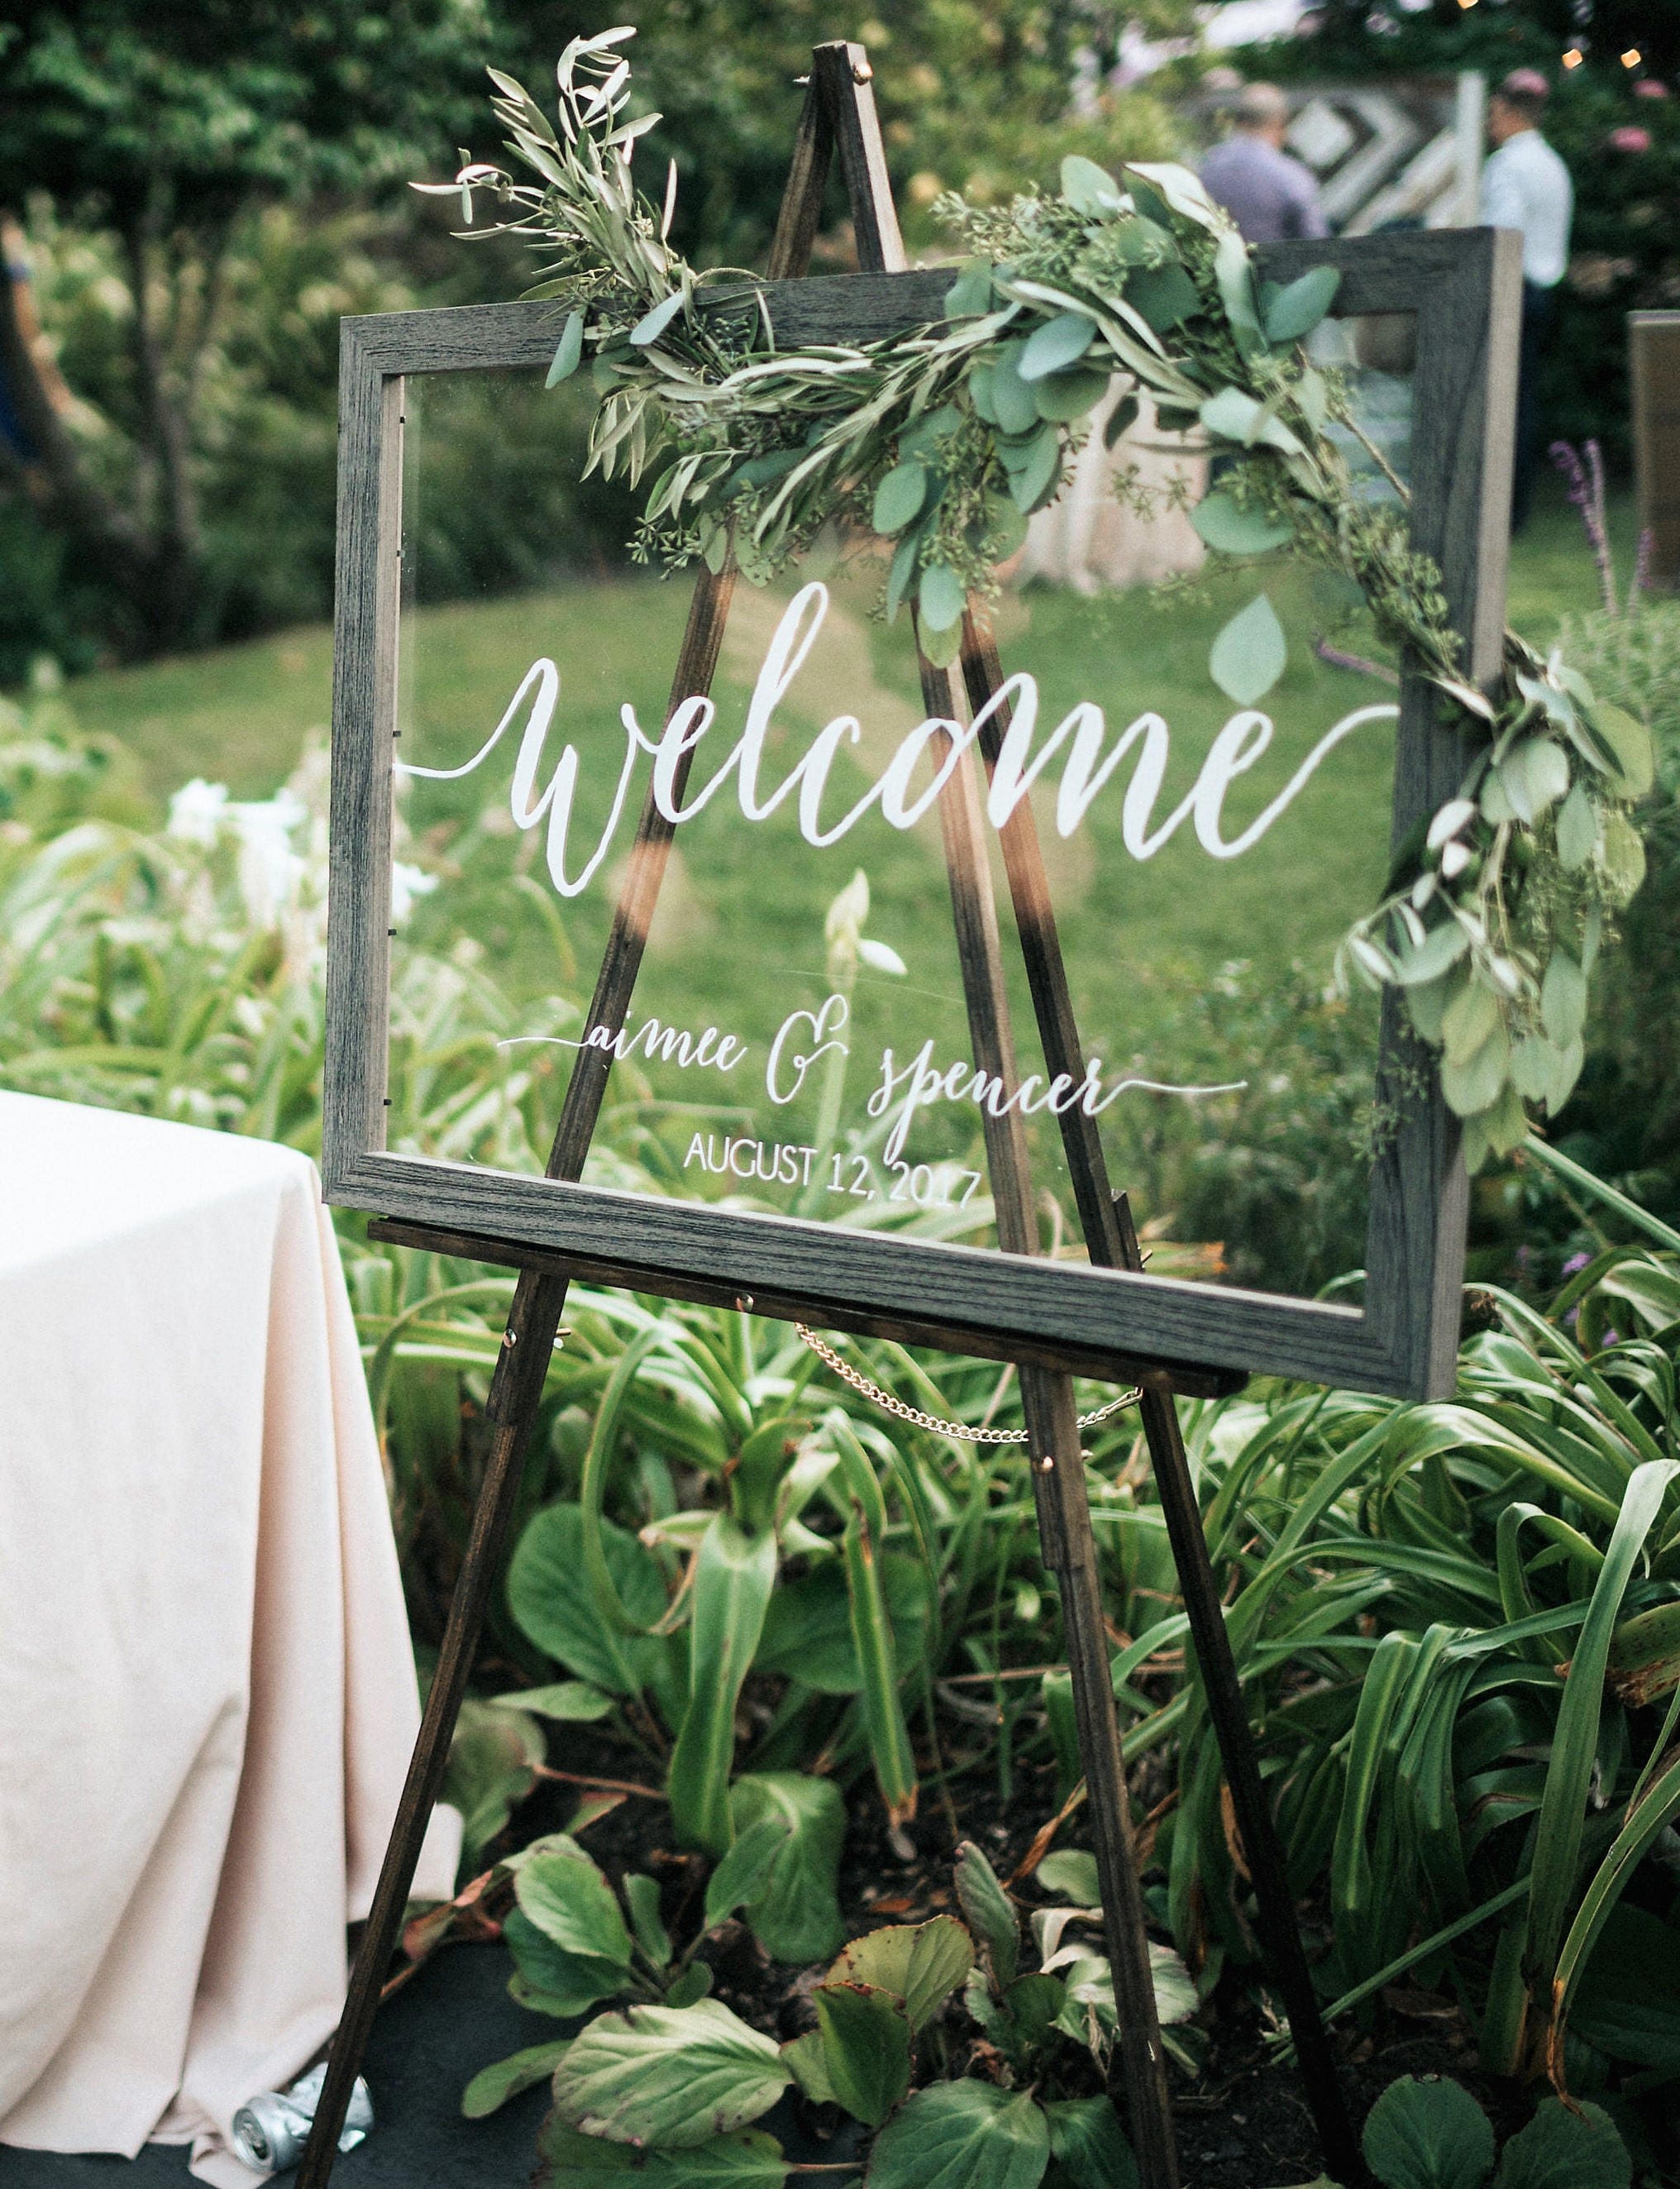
[{"x": 945, "y": 440}]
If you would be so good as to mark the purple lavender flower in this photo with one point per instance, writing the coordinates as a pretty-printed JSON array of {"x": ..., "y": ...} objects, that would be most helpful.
[{"x": 1586, "y": 492}]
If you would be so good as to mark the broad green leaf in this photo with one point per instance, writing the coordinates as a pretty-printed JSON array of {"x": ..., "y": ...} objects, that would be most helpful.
[
  {"x": 1071, "y": 1874},
  {"x": 1034, "y": 2002},
  {"x": 743, "y": 1877},
  {"x": 1631, "y": 742},
  {"x": 734, "y": 1575},
  {"x": 1627, "y": 2005},
  {"x": 1473, "y": 1084},
  {"x": 991, "y": 1914},
  {"x": 808, "y": 1630},
  {"x": 550, "y": 1595},
  {"x": 962, "y": 2135},
  {"x": 570, "y": 350},
  {"x": 1068, "y": 395},
  {"x": 642, "y": 1897},
  {"x": 669, "y": 2077},
  {"x": 1087, "y": 2144},
  {"x": 493, "y": 2086},
  {"x": 1088, "y": 188},
  {"x": 1058, "y": 344},
  {"x": 1250, "y": 653},
  {"x": 1233, "y": 415},
  {"x": 798, "y": 1919},
  {"x": 1621, "y": 853},
  {"x": 866, "y": 2048},
  {"x": 1657, "y": 1804},
  {"x": 1427, "y": 2135},
  {"x": 551, "y": 1981},
  {"x": 1236, "y": 527},
  {"x": 1297, "y": 308},
  {"x": 1563, "y": 998},
  {"x": 570, "y": 1902},
  {"x": 493, "y": 1764},
  {"x": 921, "y": 1964},
  {"x": 1564, "y": 2149},
  {"x": 653, "y": 324},
  {"x": 900, "y": 498},
  {"x": 749, "y": 2159},
  {"x": 1180, "y": 188},
  {"x": 1012, "y": 397},
  {"x": 694, "y": 1983},
  {"x": 808, "y": 2064},
  {"x": 571, "y": 1702},
  {"x": 902, "y": 573},
  {"x": 941, "y": 598},
  {"x": 1008, "y": 528}
]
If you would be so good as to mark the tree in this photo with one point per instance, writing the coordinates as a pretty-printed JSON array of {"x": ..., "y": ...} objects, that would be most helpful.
[{"x": 165, "y": 122}]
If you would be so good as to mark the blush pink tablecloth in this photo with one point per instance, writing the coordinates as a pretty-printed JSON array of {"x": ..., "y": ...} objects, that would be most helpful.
[{"x": 207, "y": 1694}]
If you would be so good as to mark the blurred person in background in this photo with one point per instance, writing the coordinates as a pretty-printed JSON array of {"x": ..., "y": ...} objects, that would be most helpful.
[
  {"x": 1271, "y": 197},
  {"x": 1527, "y": 187}
]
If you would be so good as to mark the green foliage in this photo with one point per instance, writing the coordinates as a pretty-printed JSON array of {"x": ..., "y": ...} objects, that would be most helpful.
[
  {"x": 667, "y": 2077},
  {"x": 1432, "y": 2135}
]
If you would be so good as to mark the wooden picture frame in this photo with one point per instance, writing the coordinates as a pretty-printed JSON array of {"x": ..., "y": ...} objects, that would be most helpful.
[{"x": 1461, "y": 288}]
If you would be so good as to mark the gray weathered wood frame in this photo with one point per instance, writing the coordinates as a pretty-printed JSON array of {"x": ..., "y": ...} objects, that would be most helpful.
[{"x": 1463, "y": 288}]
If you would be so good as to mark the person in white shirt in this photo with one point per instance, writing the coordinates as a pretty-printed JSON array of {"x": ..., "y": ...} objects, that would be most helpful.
[{"x": 1527, "y": 187}]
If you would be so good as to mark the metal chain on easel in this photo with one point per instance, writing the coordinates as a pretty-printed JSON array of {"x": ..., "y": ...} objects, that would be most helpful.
[{"x": 885, "y": 1400}]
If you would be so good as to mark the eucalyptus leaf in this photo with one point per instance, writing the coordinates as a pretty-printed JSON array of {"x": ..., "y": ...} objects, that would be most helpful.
[
  {"x": 1058, "y": 344},
  {"x": 1235, "y": 275},
  {"x": 1441, "y": 948},
  {"x": 941, "y": 598},
  {"x": 1088, "y": 188},
  {"x": 1577, "y": 829},
  {"x": 1120, "y": 420},
  {"x": 1165, "y": 295},
  {"x": 1031, "y": 484},
  {"x": 1065, "y": 396},
  {"x": 900, "y": 498},
  {"x": 1297, "y": 308},
  {"x": 970, "y": 296},
  {"x": 1250, "y": 653},
  {"x": 1563, "y": 998},
  {"x": 1013, "y": 399},
  {"x": 1236, "y": 527}
]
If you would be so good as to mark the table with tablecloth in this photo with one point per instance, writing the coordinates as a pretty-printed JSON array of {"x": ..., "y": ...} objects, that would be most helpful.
[{"x": 208, "y": 1696}]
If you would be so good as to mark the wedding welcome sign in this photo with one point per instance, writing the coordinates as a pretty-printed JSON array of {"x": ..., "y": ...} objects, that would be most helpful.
[{"x": 1213, "y": 775}]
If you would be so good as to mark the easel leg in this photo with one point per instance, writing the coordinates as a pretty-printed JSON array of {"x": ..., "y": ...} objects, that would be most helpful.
[
  {"x": 515, "y": 1392},
  {"x": 1069, "y": 1554}
]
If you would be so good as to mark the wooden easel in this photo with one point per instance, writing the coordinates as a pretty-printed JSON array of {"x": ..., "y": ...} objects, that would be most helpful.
[{"x": 840, "y": 113}]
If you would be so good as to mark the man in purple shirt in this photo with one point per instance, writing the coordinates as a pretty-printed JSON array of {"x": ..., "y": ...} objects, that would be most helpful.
[{"x": 1272, "y": 198}]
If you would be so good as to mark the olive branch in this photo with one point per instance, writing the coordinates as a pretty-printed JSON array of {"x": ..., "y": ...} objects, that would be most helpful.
[{"x": 947, "y": 439}]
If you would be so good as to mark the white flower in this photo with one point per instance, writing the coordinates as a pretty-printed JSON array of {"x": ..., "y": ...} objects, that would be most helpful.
[
  {"x": 270, "y": 869},
  {"x": 197, "y": 810},
  {"x": 881, "y": 955},
  {"x": 407, "y": 883}
]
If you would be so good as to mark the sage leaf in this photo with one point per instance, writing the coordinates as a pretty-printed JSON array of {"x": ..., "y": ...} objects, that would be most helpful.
[
  {"x": 1296, "y": 309},
  {"x": 668, "y": 2077},
  {"x": 569, "y": 353},
  {"x": 900, "y": 498},
  {"x": 1236, "y": 527},
  {"x": 1058, "y": 342},
  {"x": 1427, "y": 2135},
  {"x": 963, "y": 2135},
  {"x": 866, "y": 2048},
  {"x": 1250, "y": 653}
]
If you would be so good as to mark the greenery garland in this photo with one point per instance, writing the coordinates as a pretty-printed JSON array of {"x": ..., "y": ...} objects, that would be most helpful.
[{"x": 947, "y": 439}]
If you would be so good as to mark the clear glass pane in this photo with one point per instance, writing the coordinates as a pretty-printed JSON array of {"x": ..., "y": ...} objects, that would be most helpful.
[{"x": 798, "y": 1040}]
